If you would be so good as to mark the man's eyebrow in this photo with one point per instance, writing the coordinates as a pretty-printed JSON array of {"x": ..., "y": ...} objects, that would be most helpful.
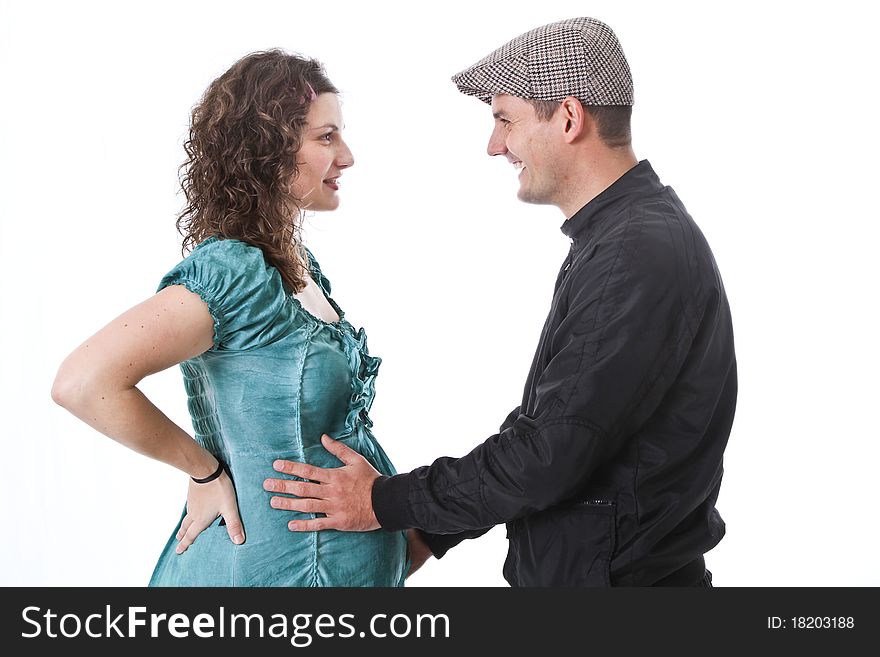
[
  {"x": 500, "y": 114},
  {"x": 332, "y": 126}
]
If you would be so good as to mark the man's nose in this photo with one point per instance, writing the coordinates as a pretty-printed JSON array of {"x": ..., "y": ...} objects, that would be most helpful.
[{"x": 496, "y": 144}]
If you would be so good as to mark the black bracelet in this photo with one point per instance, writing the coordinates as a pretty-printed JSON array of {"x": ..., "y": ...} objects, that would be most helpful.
[{"x": 221, "y": 466}]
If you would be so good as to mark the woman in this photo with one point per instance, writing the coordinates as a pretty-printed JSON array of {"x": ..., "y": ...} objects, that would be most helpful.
[{"x": 269, "y": 360}]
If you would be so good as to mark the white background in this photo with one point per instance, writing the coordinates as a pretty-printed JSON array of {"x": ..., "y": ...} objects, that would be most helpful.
[{"x": 762, "y": 119}]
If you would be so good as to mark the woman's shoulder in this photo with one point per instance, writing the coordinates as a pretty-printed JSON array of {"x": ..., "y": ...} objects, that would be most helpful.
[
  {"x": 227, "y": 257},
  {"x": 228, "y": 265},
  {"x": 243, "y": 293},
  {"x": 218, "y": 248}
]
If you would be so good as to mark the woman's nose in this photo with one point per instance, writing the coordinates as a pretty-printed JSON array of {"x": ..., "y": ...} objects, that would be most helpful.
[{"x": 344, "y": 158}]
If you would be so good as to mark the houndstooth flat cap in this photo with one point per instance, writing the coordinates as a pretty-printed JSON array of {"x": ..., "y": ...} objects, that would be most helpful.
[{"x": 578, "y": 57}]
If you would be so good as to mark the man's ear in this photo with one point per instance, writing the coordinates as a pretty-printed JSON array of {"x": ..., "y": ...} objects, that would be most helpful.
[{"x": 576, "y": 121}]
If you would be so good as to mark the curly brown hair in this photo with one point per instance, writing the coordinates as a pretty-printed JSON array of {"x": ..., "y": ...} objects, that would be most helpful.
[{"x": 241, "y": 158}]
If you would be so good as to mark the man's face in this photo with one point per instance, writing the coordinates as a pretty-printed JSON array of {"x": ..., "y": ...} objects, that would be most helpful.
[{"x": 528, "y": 144}]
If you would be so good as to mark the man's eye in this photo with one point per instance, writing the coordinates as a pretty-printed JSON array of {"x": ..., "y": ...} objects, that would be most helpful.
[{"x": 326, "y": 137}]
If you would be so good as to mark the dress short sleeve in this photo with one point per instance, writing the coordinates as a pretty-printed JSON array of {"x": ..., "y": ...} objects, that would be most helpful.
[{"x": 244, "y": 294}]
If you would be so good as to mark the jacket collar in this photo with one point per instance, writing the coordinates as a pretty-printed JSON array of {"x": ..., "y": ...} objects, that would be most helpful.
[{"x": 639, "y": 180}]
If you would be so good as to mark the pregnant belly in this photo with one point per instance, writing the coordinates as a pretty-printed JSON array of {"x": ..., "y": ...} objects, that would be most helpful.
[{"x": 272, "y": 555}]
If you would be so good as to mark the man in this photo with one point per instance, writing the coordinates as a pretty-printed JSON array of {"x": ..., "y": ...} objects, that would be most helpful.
[{"x": 608, "y": 472}]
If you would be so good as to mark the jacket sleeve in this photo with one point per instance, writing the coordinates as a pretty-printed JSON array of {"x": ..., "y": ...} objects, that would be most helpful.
[
  {"x": 510, "y": 419},
  {"x": 440, "y": 544},
  {"x": 629, "y": 312}
]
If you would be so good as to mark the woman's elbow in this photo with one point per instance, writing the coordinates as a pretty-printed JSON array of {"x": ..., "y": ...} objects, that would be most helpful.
[
  {"x": 67, "y": 387},
  {"x": 73, "y": 386}
]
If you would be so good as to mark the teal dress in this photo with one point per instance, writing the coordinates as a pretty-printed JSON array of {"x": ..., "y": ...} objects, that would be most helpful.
[{"x": 275, "y": 379}]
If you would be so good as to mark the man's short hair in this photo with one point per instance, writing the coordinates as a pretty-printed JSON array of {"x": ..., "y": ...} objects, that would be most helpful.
[{"x": 613, "y": 121}]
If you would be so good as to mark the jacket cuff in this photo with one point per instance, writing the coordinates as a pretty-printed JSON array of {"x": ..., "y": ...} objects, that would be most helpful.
[
  {"x": 391, "y": 502},
  {"x": 440, "y": 544}
]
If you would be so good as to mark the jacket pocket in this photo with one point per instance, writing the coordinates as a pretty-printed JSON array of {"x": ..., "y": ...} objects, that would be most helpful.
[{"x": 568, "y": 545}]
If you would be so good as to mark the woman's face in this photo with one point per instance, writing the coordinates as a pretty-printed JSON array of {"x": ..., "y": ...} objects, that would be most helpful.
[{"x": 322, "y": 157}]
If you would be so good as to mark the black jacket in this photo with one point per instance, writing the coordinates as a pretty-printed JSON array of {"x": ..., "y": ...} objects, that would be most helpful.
[{"x": 608, "y": 472}]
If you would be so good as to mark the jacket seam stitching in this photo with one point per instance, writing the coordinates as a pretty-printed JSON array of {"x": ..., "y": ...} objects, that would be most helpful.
[
  {"x": 508, "y": 446},
  {"x": 599, "y": 306},
  {"x": 504, "y": 446}
]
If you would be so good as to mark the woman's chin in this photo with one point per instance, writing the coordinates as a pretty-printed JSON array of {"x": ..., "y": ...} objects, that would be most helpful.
[{"x": 325, "y": 205}]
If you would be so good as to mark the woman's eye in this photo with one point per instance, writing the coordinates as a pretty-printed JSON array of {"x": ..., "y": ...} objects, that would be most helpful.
[{"x": 327, "y": 137}]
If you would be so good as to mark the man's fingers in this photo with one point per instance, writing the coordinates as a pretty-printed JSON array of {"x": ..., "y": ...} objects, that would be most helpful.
[
  {"x": 304, "y": 504},
  {"x": 291, "y": 487},
  {"x": 340, "y": 450},
  {"x": 312, "y": 525},
  {"x": 196, "y": 527},
  {"x": 302, "y": 470}
]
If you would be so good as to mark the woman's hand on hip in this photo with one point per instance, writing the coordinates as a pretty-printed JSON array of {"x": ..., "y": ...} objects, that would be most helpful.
[{"x": 204, "y": 503}]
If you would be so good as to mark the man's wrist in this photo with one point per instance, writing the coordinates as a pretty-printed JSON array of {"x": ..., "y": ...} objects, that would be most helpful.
[{"x": 390, "y": 498}]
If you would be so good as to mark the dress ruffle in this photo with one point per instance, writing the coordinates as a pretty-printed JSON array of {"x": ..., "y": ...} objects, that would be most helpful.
[{"x": 364, "y": 369}]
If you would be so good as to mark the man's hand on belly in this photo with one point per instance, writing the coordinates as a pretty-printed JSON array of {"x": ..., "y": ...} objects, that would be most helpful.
[{"x": 343, "y": 495}]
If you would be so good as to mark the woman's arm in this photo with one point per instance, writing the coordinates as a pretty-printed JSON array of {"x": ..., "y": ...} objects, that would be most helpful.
[
  {"x": 97, "y": 383},
  {"x": 419, "y": 552}
]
